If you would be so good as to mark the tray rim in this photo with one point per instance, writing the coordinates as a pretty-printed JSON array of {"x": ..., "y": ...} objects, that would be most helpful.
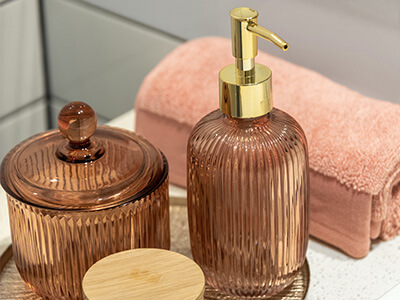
[
  {"x": 8, "y": 254},
  {"x": 5, "y": 257}
]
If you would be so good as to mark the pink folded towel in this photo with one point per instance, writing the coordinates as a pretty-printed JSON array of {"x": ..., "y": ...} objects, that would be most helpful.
[{"x": 354, "y": 141}]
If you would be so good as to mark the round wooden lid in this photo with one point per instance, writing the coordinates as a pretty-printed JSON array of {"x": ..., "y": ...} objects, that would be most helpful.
[{"x": 144, "y": 274}]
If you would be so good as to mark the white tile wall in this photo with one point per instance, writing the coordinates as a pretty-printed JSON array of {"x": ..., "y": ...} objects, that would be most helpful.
[
  {"x": 21, "y": 73},
  {"x": 99, "y": 58},
  {"x": 22, "y": 124},
  {"x": 355, "y": 43}
]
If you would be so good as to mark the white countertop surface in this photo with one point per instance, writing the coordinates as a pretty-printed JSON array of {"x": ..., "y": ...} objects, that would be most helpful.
[{"x": 334, "y": 275}]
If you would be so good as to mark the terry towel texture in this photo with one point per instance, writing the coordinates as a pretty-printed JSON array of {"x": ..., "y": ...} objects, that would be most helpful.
[{"x": 354, "y": 141}]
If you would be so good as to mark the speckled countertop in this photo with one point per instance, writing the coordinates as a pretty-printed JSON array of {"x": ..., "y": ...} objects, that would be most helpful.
[{"x": 334, "y": 275}]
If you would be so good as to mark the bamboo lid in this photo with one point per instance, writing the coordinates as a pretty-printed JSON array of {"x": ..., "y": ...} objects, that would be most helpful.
[{"x": 144, "y": 274}]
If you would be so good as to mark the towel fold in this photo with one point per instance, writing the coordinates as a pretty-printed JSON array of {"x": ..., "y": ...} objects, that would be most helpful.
[{"x": 354, "y": 141}]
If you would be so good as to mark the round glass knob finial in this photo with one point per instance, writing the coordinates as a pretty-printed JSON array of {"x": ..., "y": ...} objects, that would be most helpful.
[{"x": 77, "y": 121}]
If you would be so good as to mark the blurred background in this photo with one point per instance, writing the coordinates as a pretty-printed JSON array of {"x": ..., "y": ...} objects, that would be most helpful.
[{"x": 99, "y": 51}]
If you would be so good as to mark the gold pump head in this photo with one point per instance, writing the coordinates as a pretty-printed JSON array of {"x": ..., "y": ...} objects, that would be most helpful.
[{"x": 245, "y": 87}]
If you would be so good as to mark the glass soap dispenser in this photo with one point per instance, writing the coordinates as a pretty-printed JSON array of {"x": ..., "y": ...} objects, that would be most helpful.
[
  {"x": 248, "y": 181},
  {"x": 78, "y": 194}
]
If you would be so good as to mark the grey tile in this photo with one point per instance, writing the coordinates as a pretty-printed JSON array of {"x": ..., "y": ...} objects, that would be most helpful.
[
  {"x": 354, "y": 43},
  {"x": 21, "y": 125},
  {"x": 99, "y": 58},
  {"x": 21, "y": 74}
]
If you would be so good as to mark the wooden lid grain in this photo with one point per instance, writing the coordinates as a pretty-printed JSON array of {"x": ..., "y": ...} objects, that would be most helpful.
[{"x": 144, "y": 274}]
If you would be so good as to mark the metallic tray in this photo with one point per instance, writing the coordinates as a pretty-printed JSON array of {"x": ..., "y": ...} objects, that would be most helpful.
[{"x": 12, "y": 287}]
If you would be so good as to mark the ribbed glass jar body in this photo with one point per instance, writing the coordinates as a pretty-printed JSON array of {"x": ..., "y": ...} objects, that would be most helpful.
[
  {"x": 54, "y": 248},
  {"x": 248, "y": 194}
]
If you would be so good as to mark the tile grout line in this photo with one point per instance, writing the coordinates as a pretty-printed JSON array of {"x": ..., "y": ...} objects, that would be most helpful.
[
  {"x": 45, "y": 62},
  {"x": 19, "y": 109}
]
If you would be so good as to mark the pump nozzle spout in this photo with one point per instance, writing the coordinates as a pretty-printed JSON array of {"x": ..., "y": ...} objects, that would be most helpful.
[{"x": 267, "y": 35}]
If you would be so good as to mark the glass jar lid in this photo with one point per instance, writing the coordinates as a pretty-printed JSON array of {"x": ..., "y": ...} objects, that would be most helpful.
[{"x": 79, "y": 167}]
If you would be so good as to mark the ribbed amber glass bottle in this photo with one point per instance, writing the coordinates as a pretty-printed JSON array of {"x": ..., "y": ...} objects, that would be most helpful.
[
  {"x": 248, "y": 180},
  {"x": 248, "y": 201}
]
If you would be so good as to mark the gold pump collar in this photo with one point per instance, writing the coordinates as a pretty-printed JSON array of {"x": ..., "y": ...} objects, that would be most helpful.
[{"x": 245, "y": 87}]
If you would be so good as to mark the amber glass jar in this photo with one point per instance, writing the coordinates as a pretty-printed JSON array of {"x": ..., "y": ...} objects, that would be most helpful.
[{"x": 75, "y": 198}]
